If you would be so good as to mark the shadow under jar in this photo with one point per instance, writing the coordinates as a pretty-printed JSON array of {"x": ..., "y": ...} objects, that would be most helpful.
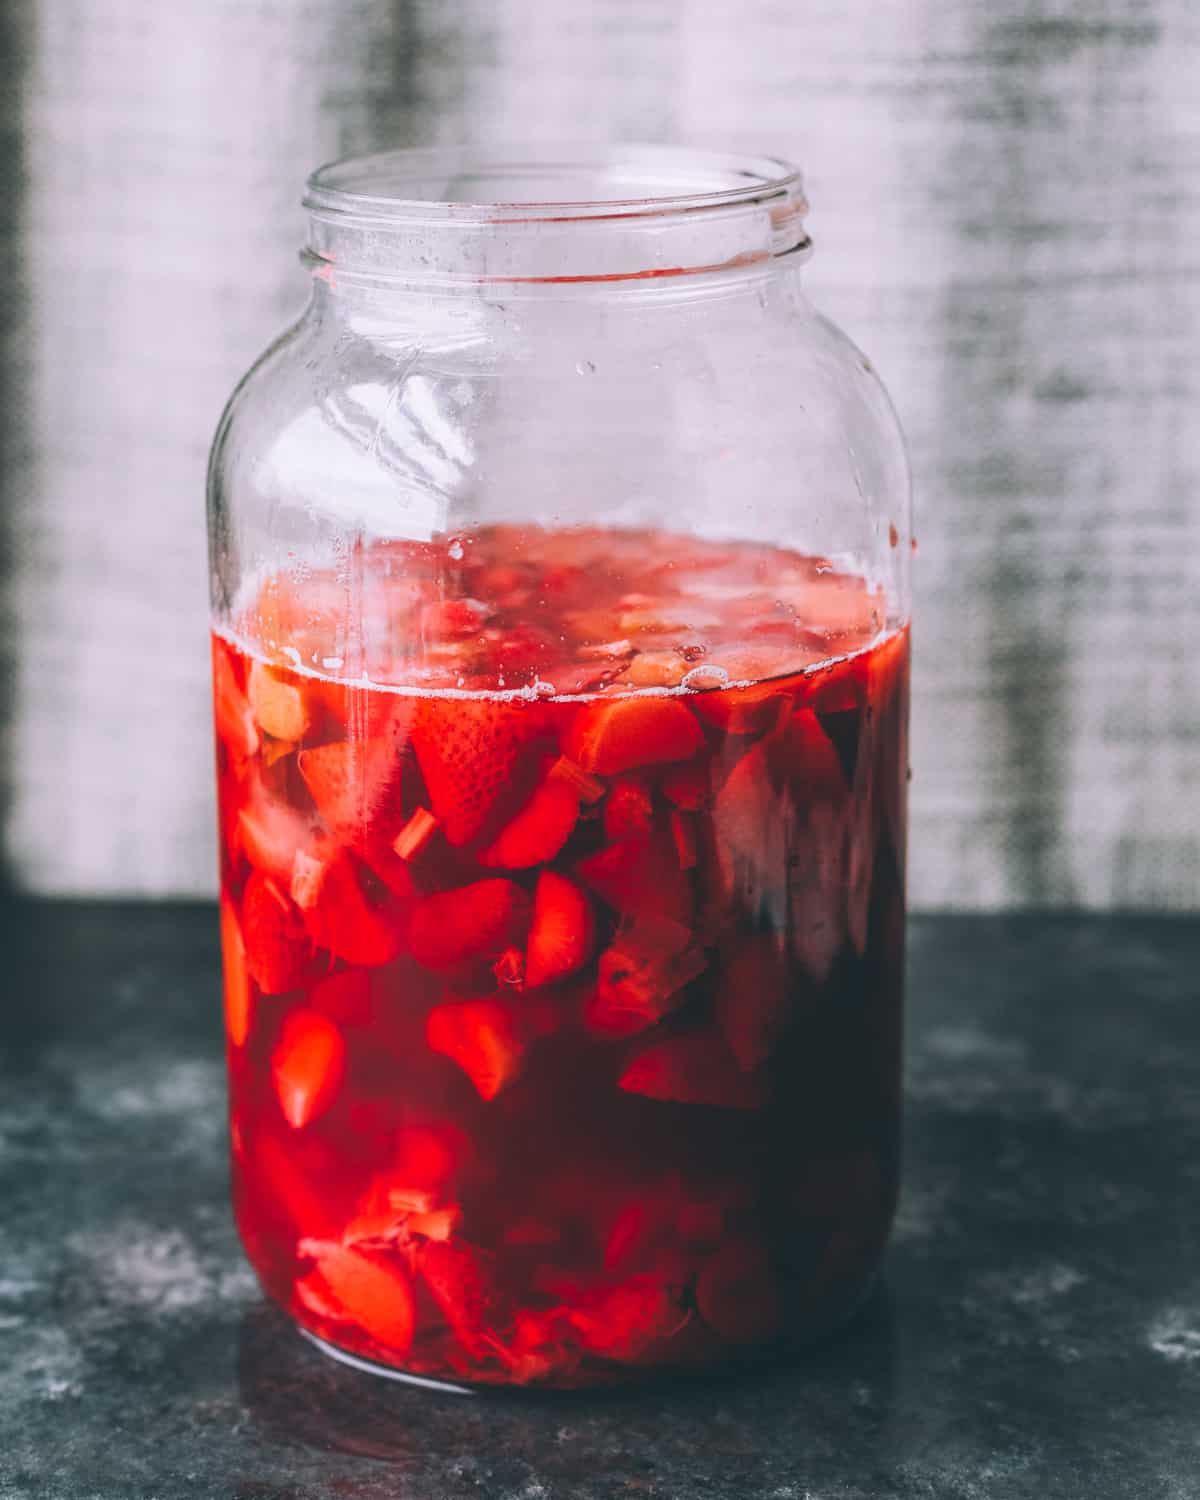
[{"x": 560, "y": 653}]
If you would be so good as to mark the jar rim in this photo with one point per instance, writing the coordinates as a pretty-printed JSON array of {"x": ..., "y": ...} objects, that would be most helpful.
[{"x": 644, "y": 181}]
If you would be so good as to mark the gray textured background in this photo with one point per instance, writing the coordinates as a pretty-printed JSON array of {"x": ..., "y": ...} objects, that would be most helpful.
[{"x": 1007, "y": 213}]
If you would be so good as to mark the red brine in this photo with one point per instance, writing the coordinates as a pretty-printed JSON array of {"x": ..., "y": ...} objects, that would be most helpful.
[{"x": 562, "y": 913}]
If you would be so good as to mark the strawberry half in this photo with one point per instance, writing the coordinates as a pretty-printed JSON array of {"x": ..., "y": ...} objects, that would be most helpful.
[
  {"x": 611, "y": 737},
  {"x": 476, "y": 921},
  {"x": 692, "y": 1070},
  {"x": 370, "y": 1289},
  {"x": 347, "y": 910},
  {"x": 307, "y": 1067},
  {"x": 469, "y": 752},
  {"x": 538, "y": 831},
  {"x": 355, "y": 786},
  {"x": 279, "y": 952},
  {"x": 482, "y": 1037},
  {"x": 640, "y": 877},
  {"x": 561, "y": 932}
]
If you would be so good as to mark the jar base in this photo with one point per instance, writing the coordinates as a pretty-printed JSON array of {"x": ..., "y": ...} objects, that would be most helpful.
[{"x": 385, "y": 1372}]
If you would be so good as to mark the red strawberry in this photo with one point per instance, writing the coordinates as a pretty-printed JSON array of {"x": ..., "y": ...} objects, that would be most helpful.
[
  {"x": 624, "y": 1321},
  {"x": 738, "y": 1293},
  {"x": 561, "y": 932},
  {"x": 641, "y": 977},
  {"x": 476, "y": 921},
  {"x": 356, "y": 788},
  {"x": 458, "y": 1280},
  {"x": 538, "y": 831},
  {"x": 371, "y": 1288},
  {"x": 482, "y": 1037},
  {"x": 238, "y": 995},
  {"x": 236, "y": 728},
  {"x": 692, "y": 1070},
  {"x": 469, "y": 751},
  {"x": 344, "y": 997},
  {"x": 270, "y": 833},
  {"x": 629, "y": 810},
  {"x": 279, "y": 952},
  {"x": 347, "y": 910},
  {"x": 640, "y": 877},
  {"x": 609, "y": 737},
  {"x": 307, "y": 1066}
]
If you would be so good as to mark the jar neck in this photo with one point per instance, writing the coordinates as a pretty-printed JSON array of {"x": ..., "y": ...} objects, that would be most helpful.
[{"x": 498, "y": 226}]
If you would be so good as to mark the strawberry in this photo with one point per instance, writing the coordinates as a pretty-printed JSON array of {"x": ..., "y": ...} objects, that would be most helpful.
[
  {"x": 270, "y": 833},
  {"x": 609, "y": 737},
  {"x": 458, "y": 1280},
  {"x": 469, "y": 752},
  {"x": 238, "y": 994},
  {"x": 538, "y": 831},
  {"x": 307, "y": 1066},
  {"x": 629, "y": 810},
  {"x": 347, "y": 910},
  {"x": 753, "y": 999},
  {"x": 370, "y": 1289},
  {"x": 481, "y": 1036},
  {"x": 344, "y": 997},
  {"x": 476, "y": 921},
  {"x": 279, "y": 705},
  {"x": 691, "y": 1070},
  {"x": 738, "y": 1294},
  {"x": 623, "y": 1321},
  {"x": 236, "y": 728},
  {"x": 355, "y": 786},
  {"x": 641, "y": 977},
  {"x": 743, "y": 710},
  {"x": 640, "y": 877},
  {"x": 561, "y": 931},
  {"x": 279, "y": 953},
  {"x": 428, "y": 1156}
]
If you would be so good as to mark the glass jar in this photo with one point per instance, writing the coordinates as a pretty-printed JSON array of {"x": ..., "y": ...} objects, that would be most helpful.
[{"x": 560, "y": 650}]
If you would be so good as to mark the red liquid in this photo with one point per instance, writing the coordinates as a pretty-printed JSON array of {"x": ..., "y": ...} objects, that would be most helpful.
[{"x": 564, "y": 1023}]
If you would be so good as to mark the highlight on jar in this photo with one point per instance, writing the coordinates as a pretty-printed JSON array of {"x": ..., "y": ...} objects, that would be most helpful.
[{"x": 563, "y": 1017}]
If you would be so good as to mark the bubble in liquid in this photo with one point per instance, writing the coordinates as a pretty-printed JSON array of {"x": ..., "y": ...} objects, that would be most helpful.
[
  {"x": 293, "y": 656},
  {"x": 709, "y": 676},
  {"x": 455, "y": 550},
  {"x": 541, "y": 689},
  {"x": 585, "y": 367}
]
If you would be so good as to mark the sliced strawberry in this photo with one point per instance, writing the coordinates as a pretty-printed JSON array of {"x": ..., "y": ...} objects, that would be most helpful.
[
  {"x": 738, "y": 1293},
  {"x": 236, "y": 728},
  {"x": 469, "y": 752},
  {"x": 753, "y": 999},
  {"x": 476, "y": 921},
  {"x": 315, "y": 1295},
  {"x": 371, "y": 1289},
  {"x": 459, "y": 1281},
  {"x": 743, "y": 710},
  {"x": 345, "y": 997},
  {"x": 609, "y": 737},
  {"x": 238, "y": 995},
  {"x": 279, "y": 705},
  {"x": 356, "y": 788},
  {"x": 640, "y": 877},
  {"x": 348, "y": 911},
  {"x": 270, "y": 834},
  {"x": 562, "y": 930},
  {"x": 279, "y": 953},
  {"x": 482, "y": 1037},
  {"x": 629, "y": 809},
  {"x": 307, "y": 1067},
  {"x": 538, "y": 831},
  {"x": 642, "y": 976},
  {"x": 692, "y": 1070}
]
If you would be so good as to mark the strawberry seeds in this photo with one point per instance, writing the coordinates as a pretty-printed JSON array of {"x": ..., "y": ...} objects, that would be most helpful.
[{"x": 562, "y": 913}]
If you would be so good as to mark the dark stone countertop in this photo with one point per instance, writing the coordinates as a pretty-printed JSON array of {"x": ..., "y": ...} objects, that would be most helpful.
[{"x": 1037, "y": 1332}]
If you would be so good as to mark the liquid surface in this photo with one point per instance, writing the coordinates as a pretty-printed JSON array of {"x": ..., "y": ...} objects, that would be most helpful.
[{"x": 563, "y": 1030}]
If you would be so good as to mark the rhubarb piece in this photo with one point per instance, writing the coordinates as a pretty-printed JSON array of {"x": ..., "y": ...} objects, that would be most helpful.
[
  {"x": 279, "y": 954},
  {"x": 278, "y": 705},
  {"x": 469, "y": 753},
  {"x": 307, "y": 1067},
  {"x": 371, "y": 1290},
  {"x": 692, "y": 1070},
  {"x": 538, "y": 831},
  {"x": 562, "y": 930},
  {"x": 738, "y": 1294},
  {"x": 237, "y": 979},
  {"x": 476, "y": 921},
  {"x": 608, "y": 737},
  {"x": 482, "y": 1037},
  {"x": 587, "y": 788}
]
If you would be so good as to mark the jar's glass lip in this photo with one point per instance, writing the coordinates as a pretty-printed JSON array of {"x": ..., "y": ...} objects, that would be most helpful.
[{"x": 527, "y": 184}]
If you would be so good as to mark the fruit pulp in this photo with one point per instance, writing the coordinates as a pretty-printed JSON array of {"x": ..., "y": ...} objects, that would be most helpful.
[{"x": 562, "y": 914}]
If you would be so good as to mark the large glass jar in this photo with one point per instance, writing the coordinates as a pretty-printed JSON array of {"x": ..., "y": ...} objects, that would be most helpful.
[{"x": 560, "y": 652}]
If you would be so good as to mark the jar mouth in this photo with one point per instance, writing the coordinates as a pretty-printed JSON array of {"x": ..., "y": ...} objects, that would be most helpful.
[{"x": 558, "y": 214}]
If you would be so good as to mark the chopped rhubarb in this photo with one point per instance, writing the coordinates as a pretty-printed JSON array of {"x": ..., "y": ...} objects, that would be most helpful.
[
  {"x": 562, "y": 930},
  {"x": 308, "y": 1065},
  {"x": 609, "y": 737},
  {"x": 587, "y": 788},
  {"x": 415, "y": 834},
  {"x": 482, "y": 1037},
  {"x": 475, "y": 921}
]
